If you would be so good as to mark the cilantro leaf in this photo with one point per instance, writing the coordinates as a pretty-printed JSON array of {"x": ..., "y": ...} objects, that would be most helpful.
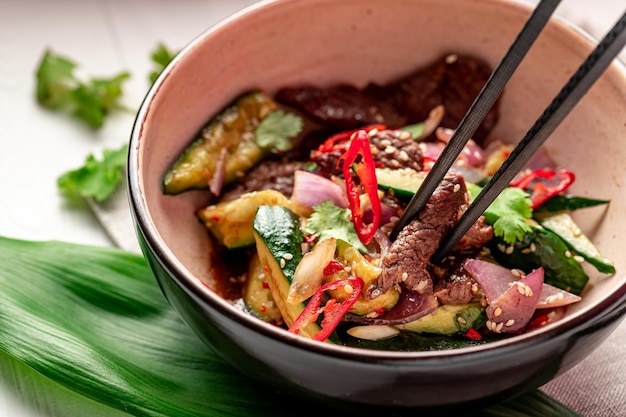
[
  {"x": 276, "y": 129},
  {"x": 59, "y": 89},
  {"x": 329, "y": 220},
  {"x": 508, "y": 214},
  {"x": 55, "y": 80},
  {"x": 161, "y": 56},
  {"x": 96, "y": 179}
]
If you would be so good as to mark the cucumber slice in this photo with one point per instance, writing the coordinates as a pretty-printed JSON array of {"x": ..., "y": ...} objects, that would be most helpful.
[
  {"x": 542, "y": 248},
  {"x": 278, "y": 241},
  {"x": 402, "y": 183},
  {"x": 563, "y": 225},
  {"x": 231, "y": 132},
  {"x": 231, "y": 221},
  {"x": 448, "y": 319}
]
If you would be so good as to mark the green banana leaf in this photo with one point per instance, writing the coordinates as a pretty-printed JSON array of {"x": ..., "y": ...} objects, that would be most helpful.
[{"x": 89, "y": 326}]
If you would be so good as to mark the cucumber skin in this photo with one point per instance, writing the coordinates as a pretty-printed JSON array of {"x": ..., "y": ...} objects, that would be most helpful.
[{"x": 549, "y": 252}]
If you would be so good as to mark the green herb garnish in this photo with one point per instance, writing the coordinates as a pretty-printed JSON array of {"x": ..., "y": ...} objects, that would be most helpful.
[
  {"x": 96, "y": 179},
  {"x": 58, "y": 88},
  {"x": 329, "y": 220},
  {"x": 276, "y": 129},
  {"x": 508, "y": 214},
  {"x": 161, "y": 56}
]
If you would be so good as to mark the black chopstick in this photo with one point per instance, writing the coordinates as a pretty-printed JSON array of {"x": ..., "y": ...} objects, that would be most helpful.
[
  {"x": 479, "y": 109},
  {"x": 577, "y": 86}
]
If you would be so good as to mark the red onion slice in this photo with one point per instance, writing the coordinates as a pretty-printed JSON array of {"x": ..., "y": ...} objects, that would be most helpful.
[{"x": 311, "y": 189}]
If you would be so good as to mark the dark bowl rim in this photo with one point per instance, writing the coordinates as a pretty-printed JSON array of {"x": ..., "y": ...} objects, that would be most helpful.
[{"x": 603, "y": 311}]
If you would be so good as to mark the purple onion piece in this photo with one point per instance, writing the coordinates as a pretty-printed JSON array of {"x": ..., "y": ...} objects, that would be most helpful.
[
  {"x": 493, "y": 279},
  {"x": 511, "y": 312},
  {"x": 311, "y": 189},
  {"x": 552, "y": 297}
]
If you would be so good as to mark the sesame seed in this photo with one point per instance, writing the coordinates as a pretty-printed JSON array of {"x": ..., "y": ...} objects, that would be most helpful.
[
  {"x": 372, "y": 132},
  {"x": 579, "y": 259},
  {"x": 385, "y": 142},
  {"x": 395, "y": 163},
  {"x": 348, "y": 288},
  {"x": 501, "y": 247},
  {"x": 517, "y": 272},
  {"x": 474, "y": 288},
  {"x": 404, "y": 135},
  {"x": 533, "y": 248},
  {"x": 390, "y": 149},
  {"x": 374, "y": 151},
  {"x": 568, "y": 254},
  {"x": 509, "y": 250},
  {"x": 509, "y": 323},
  {"x": 288, "y": 256},
  {"x": 403, "y": 156},
  {"x": 451, "y": 59},
  {"x": 499, "y": 327},
  {"x": 497, "y": 312},
  {"x": 489, "y": 324},
  {"x": 282, "y": 262},
  {"x": 525, "y": 251},
  {"x": 461, "y": 320},
  {"x": 456, "y": 188},
  {"x": 404, "y": 276}
]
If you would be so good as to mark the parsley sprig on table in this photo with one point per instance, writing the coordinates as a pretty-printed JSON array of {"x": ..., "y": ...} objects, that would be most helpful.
[
  {"x": 96, "y": 179},
  {"x": 58, "y": 88}
]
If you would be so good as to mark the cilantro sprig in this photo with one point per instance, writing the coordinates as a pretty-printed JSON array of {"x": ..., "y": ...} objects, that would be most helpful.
[
  {"x": 329, "y": 220},
  {"x": 58, "y": 88},
  {"x": 96, "y": 179},
  {"x": 160, "y": 56},
  {"x": 508, "y": 214},
  {"x": 276, "y": 129}
]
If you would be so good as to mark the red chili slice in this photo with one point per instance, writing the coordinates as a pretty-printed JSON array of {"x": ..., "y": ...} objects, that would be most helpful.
[
  {"x": 543, "y": 184},
  {"x": 333, "y": 310},
  {"x": 365, "y": 169}
]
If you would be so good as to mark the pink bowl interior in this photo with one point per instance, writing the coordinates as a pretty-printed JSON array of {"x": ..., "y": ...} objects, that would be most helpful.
[{"x": 322, "y": 42}]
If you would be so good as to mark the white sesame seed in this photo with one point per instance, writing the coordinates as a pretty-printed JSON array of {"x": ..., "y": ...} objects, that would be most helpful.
[
  {"x": 282, "y": 262},
  {"x": 348, "y": 288},
  {"x": 509, "y": 323},
  {"x": 501, "y": 247},
  {"x": 579, "y": 259},
  {"x": 525, "y": 251},
  {"x": 390, "y": 149},
  {"x": 385, "y": 142},
  {"x": 499, "y": 327},
  {"x": 457, "y": 187},
  {"x": 497, "y": 312},
  {"x": 404, "y": 135},
  {"x": 474, "y": 288},
  {"x": 395, "y": 163},
  {"x": 372, "y": 132},
  {"x": 451, "y": 59},
  {"x": 461, "y": 320},
  {"x": 533, "y": 248},
  {"x": 509, "y": 250},
  {"x": 517, "y": 272},
  {"x": 404, "y": 276},
  {"x": 403, "y": 156},
  {"x": 568, "y": 254},
  {"x": 288, "y": 256}
]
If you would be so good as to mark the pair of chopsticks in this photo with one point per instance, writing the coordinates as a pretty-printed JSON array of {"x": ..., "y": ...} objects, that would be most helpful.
[{"x": 553, "y": 115}]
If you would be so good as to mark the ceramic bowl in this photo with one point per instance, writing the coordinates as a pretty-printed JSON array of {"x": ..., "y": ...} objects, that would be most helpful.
[{"x": 321, "y": 42}]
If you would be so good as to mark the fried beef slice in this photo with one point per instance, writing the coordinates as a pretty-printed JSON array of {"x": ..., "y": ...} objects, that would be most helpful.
[
  {"x": 390, "y": 149},
  {"x": 407, "y": 261},
  {"x": 453, "y": 81}
]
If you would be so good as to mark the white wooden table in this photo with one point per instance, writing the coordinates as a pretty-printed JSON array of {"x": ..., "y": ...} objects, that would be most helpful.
[{"x": 106, "y": 37}]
